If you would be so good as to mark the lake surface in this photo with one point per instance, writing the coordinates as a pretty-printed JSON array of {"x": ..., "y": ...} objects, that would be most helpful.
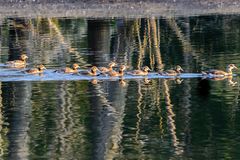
[{"x": 159, "y": 118}]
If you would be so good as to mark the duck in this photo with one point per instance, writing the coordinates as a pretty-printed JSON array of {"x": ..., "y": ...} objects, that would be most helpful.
[
  {"x": 119, "y": 73},
  {"x": 172, "y": 72},
  {"x": 74, "y": 69},
  {"x": 110, "y": 67},
  {"x": 39, "y": 69},
  {"x": 215, "y": 72},
  {"x": 142, "y": 72},
  {"x": 91, "y": 72},
  {"x": 21, "y": 62}
]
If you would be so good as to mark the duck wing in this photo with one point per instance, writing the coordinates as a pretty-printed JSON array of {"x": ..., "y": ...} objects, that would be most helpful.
[
  {"x": 66, "y": 70},
  {"x": 69, "y": 70},
  {"x": 33, "y": 70},
  {"x": 16, "y": 62},
  {"x": 138, "y": 72},
  {"x": 103, "y": 69},
  {"x": 216, "y": 72},
  {"x": 88, "y": 73},
  {"x": 113, "y": 73},
  {"x": 169, "y": 72}
]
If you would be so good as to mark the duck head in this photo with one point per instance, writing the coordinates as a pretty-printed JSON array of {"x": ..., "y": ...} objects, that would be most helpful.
[
  {"x": 41, "y": 67},
  {"x": 75, "y": 66},
  {"x": 179, "y": 69},
  {"x": 23, "y": 57},
  {"x": 112, "y": 64},
  {"x": 122, "y": 68},
  {"x": 94, "y": 69},
  {"x": 232, "y": 66},
  {"x": 146, "y": 69}
]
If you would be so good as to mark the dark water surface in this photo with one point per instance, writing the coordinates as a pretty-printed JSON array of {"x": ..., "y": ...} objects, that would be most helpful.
[{"x": 189, "y": 118}]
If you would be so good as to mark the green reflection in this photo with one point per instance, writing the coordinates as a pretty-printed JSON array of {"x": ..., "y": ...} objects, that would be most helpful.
[{"x": 137, "y": 119}]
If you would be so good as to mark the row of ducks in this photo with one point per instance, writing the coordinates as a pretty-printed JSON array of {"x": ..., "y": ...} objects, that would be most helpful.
[{"x": 21, "y": 62}]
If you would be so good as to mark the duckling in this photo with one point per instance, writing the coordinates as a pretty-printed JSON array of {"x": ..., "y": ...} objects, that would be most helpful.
[
  {"x": 74, "y": 69},
  {"x": 18, "y": 63},
  {"x": 92, "y": 72},
  {"x": 214, "y": 72},
  {"x": 39, "y": 69},
  {"x": 110, "y": 66},
  {"x": 142, "y": 72},
  {"x": 172, "y": 72},
  {"x": 119, "y": 73}
]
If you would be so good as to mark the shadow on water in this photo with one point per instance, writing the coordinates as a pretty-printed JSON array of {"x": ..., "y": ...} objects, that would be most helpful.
[{"x": 64, "y": 116}]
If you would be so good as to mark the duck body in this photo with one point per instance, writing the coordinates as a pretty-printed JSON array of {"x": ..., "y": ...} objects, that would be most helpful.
[
  {"x": 215, "y": 72},
  {"x": 74, "y": 69},
  {"x": 18, "y": 63},
  {"x": 39, "y": 69},
  {"x": 109, "y": 69},
  {"x": 91, "y": 72},
  {"x": 142, "y": 72},
  {"x": 116, "y": 74},
  {"x": 119, "y": 73},
  {"x": 172, "y": 72}
]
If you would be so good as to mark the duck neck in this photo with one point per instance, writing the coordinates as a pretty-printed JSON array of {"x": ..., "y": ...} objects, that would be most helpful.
[
  {"x": 229, "y": 70},
  {"x": 93, "y": 72},
  {"x": 178, "y": 71},
  {"x": 110, "y": 68}
]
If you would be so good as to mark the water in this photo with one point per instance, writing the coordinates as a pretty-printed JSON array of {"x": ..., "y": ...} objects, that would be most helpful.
[{"x": 56, "y": 116}]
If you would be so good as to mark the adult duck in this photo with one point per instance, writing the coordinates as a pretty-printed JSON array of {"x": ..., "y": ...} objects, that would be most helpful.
[
  {"x": 113, "y": 73},
  {"x": 142, "y": 72},
  {"x": 39, "y": 69},
  {"x": 172, "y": 72},
  {"x": 215, "y": 72}
]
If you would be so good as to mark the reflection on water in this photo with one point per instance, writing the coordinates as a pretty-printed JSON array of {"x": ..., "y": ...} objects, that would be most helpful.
[{"x": 120, "y": 118}]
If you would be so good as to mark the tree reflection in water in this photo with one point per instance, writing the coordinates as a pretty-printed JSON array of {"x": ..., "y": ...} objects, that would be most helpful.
[{"x": 117, "y": 119}]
